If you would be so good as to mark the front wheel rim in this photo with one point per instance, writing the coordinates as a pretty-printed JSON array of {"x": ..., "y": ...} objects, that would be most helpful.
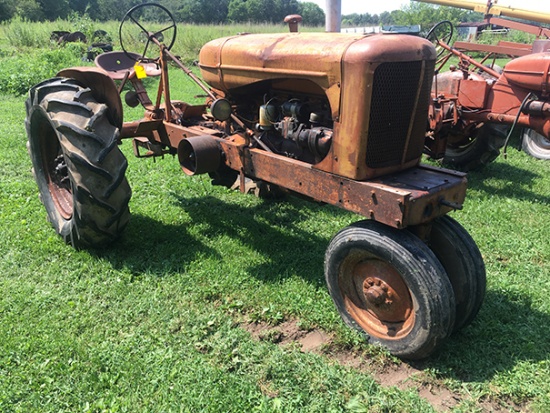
[{"x": 377, "y": 298}]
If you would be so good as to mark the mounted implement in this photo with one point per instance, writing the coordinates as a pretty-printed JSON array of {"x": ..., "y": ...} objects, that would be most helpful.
[{"x": 311, "y": 114}]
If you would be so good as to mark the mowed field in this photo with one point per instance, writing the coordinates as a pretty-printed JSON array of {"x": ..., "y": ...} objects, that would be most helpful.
[{"x": 214, "y": 301}]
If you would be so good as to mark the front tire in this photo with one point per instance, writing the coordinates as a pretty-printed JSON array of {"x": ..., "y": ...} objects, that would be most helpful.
[
  {"x": 458, "y": 253},
  {"x": 388, "y": 284},
  {"x": 77, "y": 164}
]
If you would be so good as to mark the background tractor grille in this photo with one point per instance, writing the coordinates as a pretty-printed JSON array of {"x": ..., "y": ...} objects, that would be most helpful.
[{"x": 397, "y": 124}]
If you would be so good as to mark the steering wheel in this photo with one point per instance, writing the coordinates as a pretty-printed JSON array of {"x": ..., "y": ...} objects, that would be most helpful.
[
  {"x": 442, "y": 32},
  {"x": 140, "y": 17}
]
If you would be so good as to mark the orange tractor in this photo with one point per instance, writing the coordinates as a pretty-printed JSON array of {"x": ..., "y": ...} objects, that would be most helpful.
[{"x": 335, "y": 118}]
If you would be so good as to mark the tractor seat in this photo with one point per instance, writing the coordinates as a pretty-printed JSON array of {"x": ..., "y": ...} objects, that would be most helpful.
[{"x": 118, "y": 64}]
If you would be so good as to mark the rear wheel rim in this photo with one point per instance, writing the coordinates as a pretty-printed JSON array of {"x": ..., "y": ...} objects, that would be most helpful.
[{"x": 56, "y": 171}]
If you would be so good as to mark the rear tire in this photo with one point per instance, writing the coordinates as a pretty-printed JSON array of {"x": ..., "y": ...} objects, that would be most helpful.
[
  {"x": 77, "y": 164},
  {"x": 475, "y": 152},
  {"x": 388, "y": 284}
]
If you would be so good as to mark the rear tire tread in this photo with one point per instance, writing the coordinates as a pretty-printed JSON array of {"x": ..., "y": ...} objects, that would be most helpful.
[{"x": 96, "y": 167}]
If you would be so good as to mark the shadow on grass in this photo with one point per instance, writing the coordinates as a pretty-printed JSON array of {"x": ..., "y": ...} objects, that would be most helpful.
[
  {"x": 508, "y": 330},
  {"x": 150, "y": 246},
  {"x": 269, "y": 228},
  {"x": 507, "y": 181}
]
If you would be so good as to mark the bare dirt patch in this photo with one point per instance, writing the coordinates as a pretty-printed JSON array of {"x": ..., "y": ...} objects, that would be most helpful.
[
  {"x": 289, "y": 332},
  {"x": 387, "y": 373}
]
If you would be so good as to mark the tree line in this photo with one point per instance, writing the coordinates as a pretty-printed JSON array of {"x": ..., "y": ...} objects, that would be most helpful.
[
  {"x": 187, "y": 11},
  {"x": 228, "y": 11},
  {"x": 415, "y": 13}
]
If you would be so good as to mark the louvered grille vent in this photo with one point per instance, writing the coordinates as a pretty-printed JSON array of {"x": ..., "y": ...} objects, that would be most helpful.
[{"x": 395, "y": 90}]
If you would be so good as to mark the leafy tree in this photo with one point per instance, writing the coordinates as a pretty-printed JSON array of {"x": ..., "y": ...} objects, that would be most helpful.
[
  {"x": 272, "y": 11},
  {"x": 222, "y": 11},
  {"x": 283, "y": 8},
  {"x": 353, "y": 19},
  {"x": 427, "y": 15},
  {"x": 112, "y": 10},
  {"x": 260, "y": 10},
  {"x": 7, "y": 9},
  {"x": 360, "y": 20},
  {"x": 237, "y": 11},
  {"x": 385, "y": 18},
  {"x": 54, "y": 9},
  {"x": 30, "y": 9},
  {"x": 80, "y": 6},
  {"x": 89, "y": 7},
  {"x": 312, "y": 14},
  {"x": 199, "y": 11}
]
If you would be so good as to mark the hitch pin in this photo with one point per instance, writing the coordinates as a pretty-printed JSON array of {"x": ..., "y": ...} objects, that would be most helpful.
[{"x": 450, "y": 204}]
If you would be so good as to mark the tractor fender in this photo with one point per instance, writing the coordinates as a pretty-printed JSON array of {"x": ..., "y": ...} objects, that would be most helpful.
[{"x": 102, "y": 86}]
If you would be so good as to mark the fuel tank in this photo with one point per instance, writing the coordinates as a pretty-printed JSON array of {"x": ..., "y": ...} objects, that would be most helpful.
[{"x": 530, "y": 72}]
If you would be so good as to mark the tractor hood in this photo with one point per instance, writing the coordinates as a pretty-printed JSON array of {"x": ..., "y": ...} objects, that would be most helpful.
[{"x": 322, "y": 58}]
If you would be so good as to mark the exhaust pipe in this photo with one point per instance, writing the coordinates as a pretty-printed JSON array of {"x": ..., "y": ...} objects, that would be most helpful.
[{"x": 199, "y": 155}]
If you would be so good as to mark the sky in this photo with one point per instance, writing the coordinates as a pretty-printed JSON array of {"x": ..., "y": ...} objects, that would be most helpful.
[{"x": 379, "y": 6}]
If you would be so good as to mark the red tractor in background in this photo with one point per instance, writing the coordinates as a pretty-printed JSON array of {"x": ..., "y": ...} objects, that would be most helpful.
[
  {"x": 476, "y": 107},
  {"x": 335, "y": 118}
]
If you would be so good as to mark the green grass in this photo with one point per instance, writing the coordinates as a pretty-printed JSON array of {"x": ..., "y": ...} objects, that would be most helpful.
[
  {"x": 155, "y": 323},
  {"x": 152, "y": 323}
]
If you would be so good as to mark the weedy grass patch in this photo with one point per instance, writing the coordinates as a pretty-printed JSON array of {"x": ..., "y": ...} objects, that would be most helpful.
[{"x": 22, "y": 71}]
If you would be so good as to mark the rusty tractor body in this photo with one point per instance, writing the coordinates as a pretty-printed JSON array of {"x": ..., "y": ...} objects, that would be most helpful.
[{"x": 336, "y": 118}]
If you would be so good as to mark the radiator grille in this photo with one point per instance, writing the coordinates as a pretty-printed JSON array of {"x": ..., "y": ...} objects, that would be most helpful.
[{"x": 392, "y": 139}]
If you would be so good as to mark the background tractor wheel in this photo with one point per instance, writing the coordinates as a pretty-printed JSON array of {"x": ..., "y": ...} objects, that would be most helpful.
[
  {"x": 473, "y": 152},
  {"x": 388, "y": 284},
  {"x": 77, "y": 164},
  {"x": 463, "y": 263},
  {"x": 535, "y": 144}
]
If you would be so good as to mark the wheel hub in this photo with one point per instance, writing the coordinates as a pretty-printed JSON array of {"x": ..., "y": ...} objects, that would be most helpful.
[
  {"x": 53, "y": 165},
  {"x": 61, "y": 172},
  {"x": 542, "y": 141},
  {"x": 384, "y": 295},
  {"x": 376, "y": 292},
  {"x": 378, "y": 298}
]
